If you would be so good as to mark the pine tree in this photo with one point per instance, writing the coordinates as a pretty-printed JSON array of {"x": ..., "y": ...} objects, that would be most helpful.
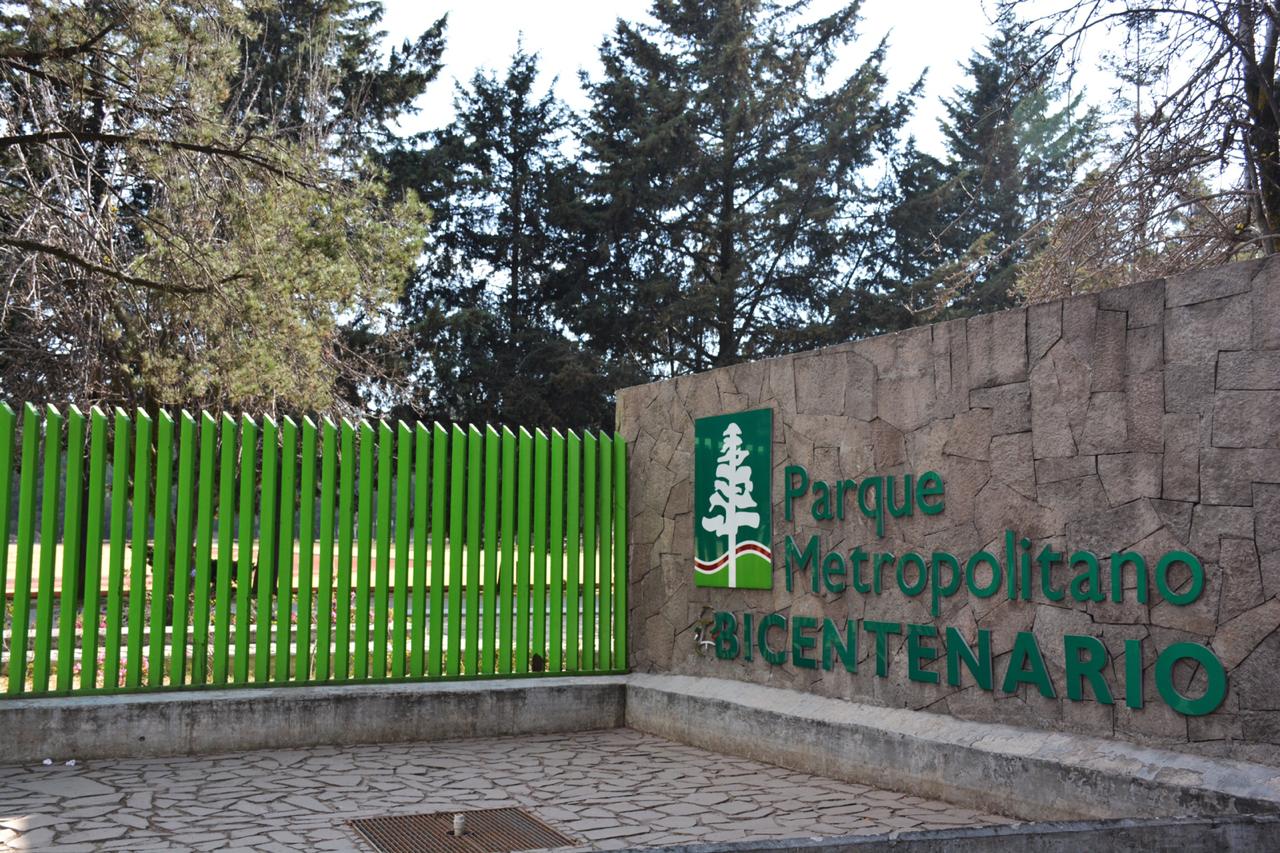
[
  {"x": 172, "y": 236},
  {"x": 1016, "y": 142},
  {"x": 732, "y": 497},
  {"x": 728, "y": 191},
  {"x": 488, "y": 343}
]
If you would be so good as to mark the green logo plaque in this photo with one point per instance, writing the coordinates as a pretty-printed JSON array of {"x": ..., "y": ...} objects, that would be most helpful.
[{"x": 733, "y": 499}]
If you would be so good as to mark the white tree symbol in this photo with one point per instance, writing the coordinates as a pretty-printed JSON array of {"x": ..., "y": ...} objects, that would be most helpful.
[{"x": 732, "y": 496}]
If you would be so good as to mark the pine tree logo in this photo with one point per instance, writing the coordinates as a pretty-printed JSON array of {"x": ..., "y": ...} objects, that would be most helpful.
[{"x": 732, "y": 472}]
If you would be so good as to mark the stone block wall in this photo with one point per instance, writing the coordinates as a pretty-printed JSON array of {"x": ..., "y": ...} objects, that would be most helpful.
[{"x": 1144, "y": 418}]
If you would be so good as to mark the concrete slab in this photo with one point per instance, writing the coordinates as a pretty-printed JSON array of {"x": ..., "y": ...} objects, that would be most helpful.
[
  {"x": 211, "y": 721},
  {"x": 608, "y": 789},
  {"x": 1021, "y": 772}
]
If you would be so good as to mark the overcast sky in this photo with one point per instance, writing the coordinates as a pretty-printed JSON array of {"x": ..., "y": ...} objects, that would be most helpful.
[{"x": 933, "y": 34}]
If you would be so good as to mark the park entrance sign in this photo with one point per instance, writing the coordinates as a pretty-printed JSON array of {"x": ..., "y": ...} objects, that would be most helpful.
[
  {"x": 733, "y": 473},
  {"x": 1062, "y": 517}
]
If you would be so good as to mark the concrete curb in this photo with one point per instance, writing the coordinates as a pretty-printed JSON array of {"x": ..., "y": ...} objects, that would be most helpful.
[
  {"x": 1186, "y": 835},
  {"x": 1017, "y": 772},
  {"x": 137, "y": 725}
]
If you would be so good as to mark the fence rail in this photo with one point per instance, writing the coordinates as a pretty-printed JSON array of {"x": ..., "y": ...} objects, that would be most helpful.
[{"x": 141, "y": 554}]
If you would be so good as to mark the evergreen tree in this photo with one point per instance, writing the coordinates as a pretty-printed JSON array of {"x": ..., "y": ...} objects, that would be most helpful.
[
  {"x": 316, "y": 67},
  {"x": 172, "y": 236},
  {"x": 919, "y": 251},
  {"x": 1016, "y": 142},
  {"x": 487, "y": 341},
  {"x": 728, "y": 194}
]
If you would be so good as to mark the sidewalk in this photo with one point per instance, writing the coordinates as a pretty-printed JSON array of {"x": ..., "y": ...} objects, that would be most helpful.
[{"x": 609, "y": 789}]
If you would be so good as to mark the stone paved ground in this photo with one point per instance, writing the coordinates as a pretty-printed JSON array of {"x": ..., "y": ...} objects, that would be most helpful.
[{"x": 610, "y": 789}]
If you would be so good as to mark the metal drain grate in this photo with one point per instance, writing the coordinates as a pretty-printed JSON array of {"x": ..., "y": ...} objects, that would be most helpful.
[{"x": 487, "y": 831}]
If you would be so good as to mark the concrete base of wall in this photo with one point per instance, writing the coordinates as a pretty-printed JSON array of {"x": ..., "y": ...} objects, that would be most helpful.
[
  {"x": 287, "y": 717},
  {"x": 1186, "y": 835},
  {"x": 1017, "y": 772}
]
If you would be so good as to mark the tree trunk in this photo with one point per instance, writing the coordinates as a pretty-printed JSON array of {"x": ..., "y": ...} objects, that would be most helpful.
[{"x": 1263, "y": 135}]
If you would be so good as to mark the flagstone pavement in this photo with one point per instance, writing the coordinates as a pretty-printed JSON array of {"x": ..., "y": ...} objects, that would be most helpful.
[{"x": 608, "y": 789}]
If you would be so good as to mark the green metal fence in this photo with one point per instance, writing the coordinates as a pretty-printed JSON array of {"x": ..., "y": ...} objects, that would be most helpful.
[{"x": 157, "y": 554}]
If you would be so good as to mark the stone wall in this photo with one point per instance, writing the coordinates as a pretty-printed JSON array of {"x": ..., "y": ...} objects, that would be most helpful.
[{"x": 1144, "y": 418}]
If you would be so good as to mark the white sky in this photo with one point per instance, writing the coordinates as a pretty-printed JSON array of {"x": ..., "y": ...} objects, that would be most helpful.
[{"x": 923, "y": 34}]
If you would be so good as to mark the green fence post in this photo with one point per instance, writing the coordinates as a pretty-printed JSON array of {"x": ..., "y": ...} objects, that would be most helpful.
[
  {"x": 204, "y": 552},
  {"x": 538, "y": 606},
  {"x": 284, "y": 554},
  {"x": 589, "y": 590},
  {"x": 573, "y": 528},
  {"x": 226, "y": 535},
  {"x": 605, "y": 661},
  {"x": 115, "y": 558},
  {"x": 421, "y": 508},
  {"x": 457, "y": 484},
  {"x": 346, "y": 525},
  {"x": 93, "y": 553},
  {"x": 72, "y": 547},
  {"x": 136, "y": 612},
  {"x": 266, "y": 549},
  {"x": 507, "y": 568},
  {"x": 182, "y": 547},
  {"x": 404, "y": 473},
  {"x": 325, "y": 605},
  {"x": 383, "y": 578},
  {"x": 556, "y": 660},
  {"x": 435, "y": 648},
  {"x": 471, "y": 659},
  {"x": 523, "y": 531},
  {"x": 364, "y": 554},
  {"x": 7, "y": 428},
  {"x": 160, "y": 549},
  {"x": 620, "y": 553},
  {"x": 491, "y": 514},
  {"x": 49, "y": 498},
  {"x": 245, "y": 517},
  {"x": 306, "y": 549},
  {"x": 26, "y": 544}
]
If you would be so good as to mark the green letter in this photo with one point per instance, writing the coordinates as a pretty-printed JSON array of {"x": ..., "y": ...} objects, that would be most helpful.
[
  {"x": 822, "y": 503},
  {"x": 1025, "y": 651},
  {"x": 939, "y": 590},
  {"x": 919, "y": 654},
  {"x": 878, "y": 562},
  {"x": 1047, "y": 558},
  {"x": 1133, "y": 673},
  {"x": 922, "y": 577},
  {"x": 876, "y": 510},
  {"x": 908, "y": 496},
  {"x": 929, "y": 485},
  {"x": 1197, "y": 578},
  {"x": 833, "y": 567},
  {"x": 1078, "y": 670},
  {"x": 773, "y": 620},
  {"x": 794, "y": 491},
  {"x": 847, "y": 651},
  {"x": 726, "y": 636},
  {"x": 971, "y": 575},
  {"x": 1087, "y": 586},
  {"x": 1214, "y": 692},
  {"x": 844, "y": 486},
  {"x": 1118, "y": 561},
  {"x": 800, "y": 643},
  {"x": 856, "y": 558},
  {"x": 882, "y": 630},
  {"x": 808, "y": 558},
  {"x": 979, "y": 665}
]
